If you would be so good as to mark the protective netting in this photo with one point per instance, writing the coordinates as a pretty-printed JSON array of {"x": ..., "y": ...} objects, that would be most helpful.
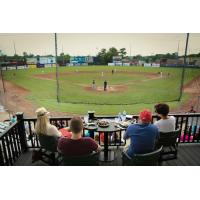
[{"x": 146, "y": 83}]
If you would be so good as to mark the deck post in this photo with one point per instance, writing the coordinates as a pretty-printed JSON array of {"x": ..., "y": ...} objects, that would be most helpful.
[
  {"x": 21, "y": 129},
  {"x": 1, "y": 157}
]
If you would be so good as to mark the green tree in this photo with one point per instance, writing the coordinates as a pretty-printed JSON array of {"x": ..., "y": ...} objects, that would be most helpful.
[
  {"x": 67, "y": 58},
  {"x": 138, "y": 57},
  {"x": 111, "y": 52},
  {"x": 62, "y": 59},
  {"x": 102, "y": 56},
  {"x": 122, "y": 52},
  {"x": 5, "y": 58},
  {"x": 16, "y": 57},
  {"x": 31, "y": 55},
  {"x": 25, "y": 54}
]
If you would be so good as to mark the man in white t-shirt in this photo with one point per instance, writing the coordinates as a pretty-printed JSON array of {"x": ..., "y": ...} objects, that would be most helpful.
[{"x": 166, "y": 123}]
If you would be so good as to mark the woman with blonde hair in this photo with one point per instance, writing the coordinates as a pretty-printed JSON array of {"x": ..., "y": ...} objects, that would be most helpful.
[{"x": 43, "y": 125}]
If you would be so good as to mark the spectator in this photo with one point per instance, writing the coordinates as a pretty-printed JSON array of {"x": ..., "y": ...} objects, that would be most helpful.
[
  {"x": 66, "y": 132},
  {"x": 93, "y": 85},
  {"x": 13, "y": 118},
  {"x": 77, "y": 145},
  {"x": 143, "y": 135},
  {"x": 166, "y": 123},
  {"x": 192, "y": 120},
  {"x": 192, "y": 110},
  {"x": 43, "y": 125}
]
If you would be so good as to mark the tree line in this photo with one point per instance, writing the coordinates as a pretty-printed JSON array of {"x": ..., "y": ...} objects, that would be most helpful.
[
  {"x": 103, "y": 57},
  {"x": 61, "y": 59}
]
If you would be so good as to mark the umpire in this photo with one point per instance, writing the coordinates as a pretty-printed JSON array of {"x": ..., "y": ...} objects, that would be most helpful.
[{"x": 105, "y": 85}]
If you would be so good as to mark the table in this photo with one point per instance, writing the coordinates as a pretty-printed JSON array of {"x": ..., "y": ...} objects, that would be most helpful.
[{"x": 106, "y": 155}]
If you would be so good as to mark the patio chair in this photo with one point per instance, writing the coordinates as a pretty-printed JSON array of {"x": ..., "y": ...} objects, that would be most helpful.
[
  {"x": 48, "y": 151},
  {"x": 169, "y": 141},
  {"x": 147, "y": 159},
  {"x": 84, "y": 160}
]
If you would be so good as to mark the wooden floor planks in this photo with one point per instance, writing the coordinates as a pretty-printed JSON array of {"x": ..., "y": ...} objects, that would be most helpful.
[{"x": 188, "y": 155}]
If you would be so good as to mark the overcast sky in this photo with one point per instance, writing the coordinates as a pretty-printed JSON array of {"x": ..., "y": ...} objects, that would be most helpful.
[{"x": 90, "y": 43}]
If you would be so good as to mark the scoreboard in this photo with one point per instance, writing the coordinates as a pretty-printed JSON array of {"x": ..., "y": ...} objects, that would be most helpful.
[{"x": 81, "y": 59}]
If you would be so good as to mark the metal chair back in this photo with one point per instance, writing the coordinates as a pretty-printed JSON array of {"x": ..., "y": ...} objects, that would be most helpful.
[
  {"x": 147, "y": 159},
  {"x": 48, "y": 143},
  {"x": 169, "y": 138},
  {"x": 84, "y": 160}
]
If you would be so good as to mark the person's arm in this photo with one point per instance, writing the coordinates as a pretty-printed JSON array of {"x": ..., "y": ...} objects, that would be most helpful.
[
  {"x": 158, "y": 133},
  {"x": 156, "y": 124},
  {"x": 94, "y": 146},
  {"x": 127, "y": 133},
  {"x": 98, "y": 148},
  {"x": 67, "y": 128},
  {"x": 55, "y": 132},
  {"x": 157, "y": 136},
  {"x": 125, "y": 136},
  {"x": 58, "y": 150},
  {"x": 58, "y": 146}
]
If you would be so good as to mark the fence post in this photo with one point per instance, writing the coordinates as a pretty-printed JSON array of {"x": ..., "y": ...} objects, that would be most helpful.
[
  {"x": 21, "y": 129},
  {"x": 1, "y": 157}
]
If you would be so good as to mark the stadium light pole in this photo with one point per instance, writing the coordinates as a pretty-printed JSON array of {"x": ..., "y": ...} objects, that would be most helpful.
[
  {"x": 62, "y": 55},
  {"x": 14, "y": 48},
  {"x": 57, "y": 82},
  {"x": 177, "y": 53},
  {"x": 183, "y": 69}
]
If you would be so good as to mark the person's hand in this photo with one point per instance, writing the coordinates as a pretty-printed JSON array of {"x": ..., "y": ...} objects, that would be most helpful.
[
  {"x": 61, "y": 135},
  {"x": 99, "y": 148}
]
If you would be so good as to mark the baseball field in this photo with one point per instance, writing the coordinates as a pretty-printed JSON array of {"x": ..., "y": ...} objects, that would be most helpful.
[{"x": 128, "y": 88}]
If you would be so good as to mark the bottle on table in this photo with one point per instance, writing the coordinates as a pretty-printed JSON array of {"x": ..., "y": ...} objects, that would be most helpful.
[
  {"x": 120, "y": 116},
  {"x": 124, "y": 115}
]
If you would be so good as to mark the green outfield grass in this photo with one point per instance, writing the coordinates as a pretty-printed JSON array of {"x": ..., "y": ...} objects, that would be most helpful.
[{"x": 143, "y": 87}]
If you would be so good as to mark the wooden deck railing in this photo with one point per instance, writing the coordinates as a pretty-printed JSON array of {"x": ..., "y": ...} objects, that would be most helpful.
[
  {"x": 20, "y": 136},
  {"x": 13, "y": 142}
]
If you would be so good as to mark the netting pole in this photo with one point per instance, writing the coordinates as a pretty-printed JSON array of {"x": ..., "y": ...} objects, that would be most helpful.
[
  {"x": 183, "y": 69},
  {"x": 2, "y": 79},
  {"x": 198, "y": 102},
  {"x": 57, "y": 82}
]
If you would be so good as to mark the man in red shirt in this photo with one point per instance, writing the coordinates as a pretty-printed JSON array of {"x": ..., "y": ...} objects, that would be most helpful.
[{"x": 77, "y": 145}]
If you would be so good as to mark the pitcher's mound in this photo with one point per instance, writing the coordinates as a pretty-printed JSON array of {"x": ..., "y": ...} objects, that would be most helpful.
[{"x": 112, "y": 88}]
